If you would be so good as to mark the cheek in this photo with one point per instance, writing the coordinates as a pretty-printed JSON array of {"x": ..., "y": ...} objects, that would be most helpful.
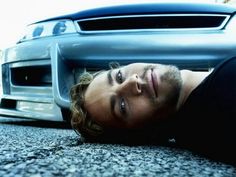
[
  {"x": 135, "y": 69},
  {"x": 142, "y": 109}
]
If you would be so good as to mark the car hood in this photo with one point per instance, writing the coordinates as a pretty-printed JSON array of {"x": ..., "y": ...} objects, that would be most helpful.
[{"x": 148, "y": 9}]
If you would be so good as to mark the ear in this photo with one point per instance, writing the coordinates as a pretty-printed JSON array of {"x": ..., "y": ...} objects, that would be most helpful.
[{"x": 114, "y": 65}]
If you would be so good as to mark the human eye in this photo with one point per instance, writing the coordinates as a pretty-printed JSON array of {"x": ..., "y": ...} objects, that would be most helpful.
[
  {"x": 122, "y": 106},
  {"x": 119, "y": 77}
]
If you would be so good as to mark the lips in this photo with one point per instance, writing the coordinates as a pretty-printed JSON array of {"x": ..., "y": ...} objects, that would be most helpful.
[{"x": 153, "y": 82}]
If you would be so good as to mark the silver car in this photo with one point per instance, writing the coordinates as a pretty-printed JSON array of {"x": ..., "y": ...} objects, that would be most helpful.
[{"x": 38, "y": 72}]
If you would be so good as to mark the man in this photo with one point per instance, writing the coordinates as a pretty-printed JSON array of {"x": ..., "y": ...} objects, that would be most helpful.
[{"x": 160, "y": 103}]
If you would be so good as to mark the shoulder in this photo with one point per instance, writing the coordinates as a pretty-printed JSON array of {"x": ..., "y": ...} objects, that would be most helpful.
[
  {"x": 231, "y": 62},
  {"x": 226, "y": 70}
]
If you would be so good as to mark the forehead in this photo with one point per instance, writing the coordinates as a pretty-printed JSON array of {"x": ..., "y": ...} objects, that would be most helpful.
[
  {"x": 97, "y": 90},
  {"x": 97, "y": 98}
]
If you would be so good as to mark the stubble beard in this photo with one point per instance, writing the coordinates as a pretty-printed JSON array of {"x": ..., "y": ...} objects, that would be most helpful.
[
  {"x": 172, "y": 77},
  {"x": 168, "y": 106}
]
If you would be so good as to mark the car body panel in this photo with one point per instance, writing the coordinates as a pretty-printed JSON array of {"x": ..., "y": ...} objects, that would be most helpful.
[{"x": 38, "y": 72}]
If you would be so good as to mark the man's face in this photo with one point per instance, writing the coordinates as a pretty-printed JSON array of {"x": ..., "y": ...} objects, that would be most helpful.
[{"x": 134, "y": 95}]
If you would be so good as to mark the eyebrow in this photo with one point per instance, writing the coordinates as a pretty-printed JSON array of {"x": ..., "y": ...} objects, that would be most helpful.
[
  {"x": 112, "y": 104},
  {"x": 109, "y": 77},
  {"x": 113, "y": 97}
]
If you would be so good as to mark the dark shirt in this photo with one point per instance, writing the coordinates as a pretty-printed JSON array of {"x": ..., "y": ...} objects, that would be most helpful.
[{"x": 207, "y": 121}]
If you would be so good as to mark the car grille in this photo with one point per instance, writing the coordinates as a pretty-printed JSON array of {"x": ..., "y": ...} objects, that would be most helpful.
[
  {"x": 31, "y": 76},
  {"x": 153, "y": 22}
]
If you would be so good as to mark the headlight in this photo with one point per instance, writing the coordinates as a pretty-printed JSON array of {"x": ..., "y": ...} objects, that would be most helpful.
[{"x": 50, "y": 28}]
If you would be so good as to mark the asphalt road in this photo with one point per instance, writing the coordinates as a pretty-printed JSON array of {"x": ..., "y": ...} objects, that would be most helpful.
[{"x": 46, "y": 149}]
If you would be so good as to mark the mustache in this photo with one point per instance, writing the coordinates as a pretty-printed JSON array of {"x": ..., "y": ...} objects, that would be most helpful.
[
  {"x": 146, "y": 68},
  {"x": 144, "y": 84}
]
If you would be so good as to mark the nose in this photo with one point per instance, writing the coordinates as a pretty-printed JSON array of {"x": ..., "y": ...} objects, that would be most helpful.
[{"x": 131, "y": 85}]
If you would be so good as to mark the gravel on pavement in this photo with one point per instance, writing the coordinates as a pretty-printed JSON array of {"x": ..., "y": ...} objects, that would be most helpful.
[{"x": 30, "y": 148}]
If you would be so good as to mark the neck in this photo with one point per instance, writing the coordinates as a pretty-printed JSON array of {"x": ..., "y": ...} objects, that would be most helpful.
[{"x": 191, "y": 80}]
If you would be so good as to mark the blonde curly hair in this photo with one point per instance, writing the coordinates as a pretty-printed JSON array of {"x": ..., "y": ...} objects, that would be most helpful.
[{"x": 81, "y": 122}]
